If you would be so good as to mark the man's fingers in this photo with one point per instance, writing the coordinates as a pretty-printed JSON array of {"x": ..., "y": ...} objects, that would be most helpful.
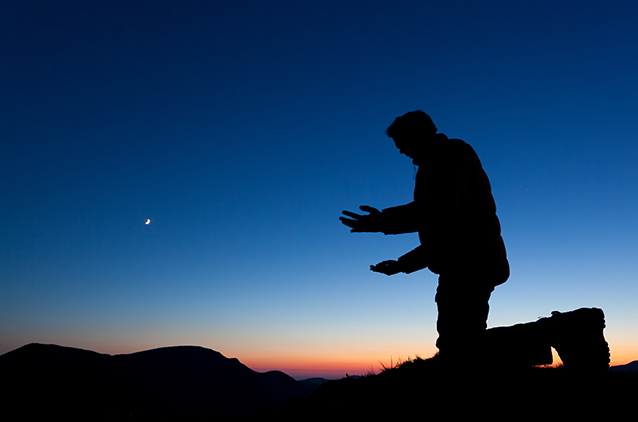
[
  {"x": 361, "y": 223},
  {"x": 351, "y": 215},
  {"x": 386, "y": 267},
  {"x": 348, "y": 222},
  {"x": 381, "y": 270},
  {"x": 365, "y": 208},
  {"x": 353, "y": 224},
  {"x": 369, "y": 209}
]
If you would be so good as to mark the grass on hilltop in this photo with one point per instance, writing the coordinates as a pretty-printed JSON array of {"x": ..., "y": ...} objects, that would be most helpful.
[{"x": 425, "y": 388}]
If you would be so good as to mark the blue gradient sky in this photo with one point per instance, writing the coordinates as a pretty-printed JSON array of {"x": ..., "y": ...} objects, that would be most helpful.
[{"x": 243, "y": 128}]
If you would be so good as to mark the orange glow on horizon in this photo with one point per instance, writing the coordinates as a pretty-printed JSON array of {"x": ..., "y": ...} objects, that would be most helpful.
[
  {"x": 307, "y": 368},
  {"x": 324, "y": 360},
  {"x": 331, "y": 367}
]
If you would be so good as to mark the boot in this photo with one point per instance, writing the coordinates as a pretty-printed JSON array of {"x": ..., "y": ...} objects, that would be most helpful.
[{"x": 578, "y": 338}]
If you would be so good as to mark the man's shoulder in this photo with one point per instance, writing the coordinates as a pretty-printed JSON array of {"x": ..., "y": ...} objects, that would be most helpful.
[
  {"x": 459, "y": 146},
  {"x": 458, "y": 143},
  {"x": 460, "y": 156}
]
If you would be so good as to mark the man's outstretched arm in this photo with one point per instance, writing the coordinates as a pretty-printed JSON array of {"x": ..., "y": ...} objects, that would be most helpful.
[
  {"x": 394, "y": 220},
  {"x": 412, "y": 261}
]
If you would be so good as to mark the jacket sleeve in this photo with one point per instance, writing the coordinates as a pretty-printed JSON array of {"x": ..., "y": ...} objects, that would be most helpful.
[
  {"x": 400, "y": 219},
  {"x": 414, "y": 260}
]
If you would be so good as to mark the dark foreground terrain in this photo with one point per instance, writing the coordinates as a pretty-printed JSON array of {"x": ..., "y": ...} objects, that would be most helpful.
[
  {"x": 425, "y": 390},
  {"x": 186, "y": 383}
]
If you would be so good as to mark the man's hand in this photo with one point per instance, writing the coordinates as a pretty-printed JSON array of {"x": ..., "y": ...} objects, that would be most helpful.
[
  {"x": 386, "y": 267},
  {"x": 363, "y": 223}
]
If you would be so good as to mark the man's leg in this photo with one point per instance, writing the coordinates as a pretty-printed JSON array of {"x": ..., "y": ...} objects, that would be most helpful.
[
  {"x": 462, "y": 317},
  {"x": 463, "y": 307},
  {"x": 520, "y": 345}
]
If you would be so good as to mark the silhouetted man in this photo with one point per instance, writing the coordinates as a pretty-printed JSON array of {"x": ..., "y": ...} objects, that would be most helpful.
[{"x": 454, "y": 213}]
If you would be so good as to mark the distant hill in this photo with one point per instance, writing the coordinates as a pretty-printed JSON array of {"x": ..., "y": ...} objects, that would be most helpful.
[
  {"x": 40, "y": 380},
  {"x": 631, "y": 367}
]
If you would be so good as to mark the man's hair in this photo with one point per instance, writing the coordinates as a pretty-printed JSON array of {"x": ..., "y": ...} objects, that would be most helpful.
[{"x": 415, "y": 123}]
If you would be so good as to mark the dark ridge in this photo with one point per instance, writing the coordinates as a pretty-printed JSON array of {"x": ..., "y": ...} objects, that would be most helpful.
[
  {"x": 631, "y": 367},
  {"x": 172, "y": 383},
  {"x": 425, "y": 389}
]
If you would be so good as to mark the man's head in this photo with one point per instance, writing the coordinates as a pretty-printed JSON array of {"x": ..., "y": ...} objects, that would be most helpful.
[
  {"x": 412, "y": 133},
  {"x": 413, "y": 124}
]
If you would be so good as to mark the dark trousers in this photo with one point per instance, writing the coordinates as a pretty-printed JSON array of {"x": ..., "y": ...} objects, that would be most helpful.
[
  {"x": 463, "y": 308},
  {"x": 462, "y": 313}
]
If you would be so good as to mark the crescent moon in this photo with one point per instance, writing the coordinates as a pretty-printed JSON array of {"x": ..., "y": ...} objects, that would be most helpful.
[{"x": 148, "y": 221}]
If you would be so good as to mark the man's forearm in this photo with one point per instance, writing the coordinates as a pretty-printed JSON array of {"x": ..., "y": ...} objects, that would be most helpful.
[
  {"x": 400, "y": 219},
  {"x": 414, "y": 260}
]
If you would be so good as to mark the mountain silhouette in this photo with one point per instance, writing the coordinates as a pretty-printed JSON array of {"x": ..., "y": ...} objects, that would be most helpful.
[
  {"x": 182, "y": 382},
  {"x": 631, "y": 367}
]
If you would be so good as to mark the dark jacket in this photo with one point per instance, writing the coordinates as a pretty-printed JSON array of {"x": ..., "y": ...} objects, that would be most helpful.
[{"x": 455, "y": 215}]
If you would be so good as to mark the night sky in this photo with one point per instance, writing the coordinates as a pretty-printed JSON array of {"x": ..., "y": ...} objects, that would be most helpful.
[{"x": 242, "y": 129}]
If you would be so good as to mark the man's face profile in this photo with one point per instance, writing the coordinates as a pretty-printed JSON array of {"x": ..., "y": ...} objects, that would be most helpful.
[{"x": 409, "y": 147}]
